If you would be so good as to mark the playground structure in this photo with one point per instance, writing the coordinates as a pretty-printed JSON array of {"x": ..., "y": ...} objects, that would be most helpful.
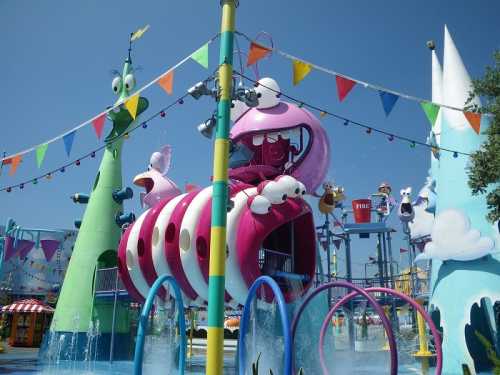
[{"x": 250, "y": 240}]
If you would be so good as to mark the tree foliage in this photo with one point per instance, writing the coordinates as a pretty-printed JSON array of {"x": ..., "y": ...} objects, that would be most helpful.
[{"x": 484, "y": 168}]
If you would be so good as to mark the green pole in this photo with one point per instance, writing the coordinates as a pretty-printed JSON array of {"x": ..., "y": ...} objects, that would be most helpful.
[{"x": 216, "y": 287}]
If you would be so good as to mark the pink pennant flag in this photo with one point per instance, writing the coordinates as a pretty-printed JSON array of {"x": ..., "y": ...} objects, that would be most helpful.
[
  {"x": 49, "y": 248},
  {"x": 25, "y": 246},
  {"x": 10, "y": 251},
  {"x": 337, "y": 244},
  {"x": 401, "y": 250},
  {"x": 98, "y": 124}
]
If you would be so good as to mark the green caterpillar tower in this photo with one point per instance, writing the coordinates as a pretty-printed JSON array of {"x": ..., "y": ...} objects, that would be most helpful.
[{"x": 97, "y": 241}]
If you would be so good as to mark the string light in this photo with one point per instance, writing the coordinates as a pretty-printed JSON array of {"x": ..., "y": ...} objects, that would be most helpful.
[
  {"x": 92, "y": 154},
  {"x": 347, "y": 121},
  {"x": 455, "y": 154},
  {"x": 369, "y": 131},
  {"x": 362, "y": 83},
  {"x": 108, "y": 110},
  {"x": 390, "y": 138}
]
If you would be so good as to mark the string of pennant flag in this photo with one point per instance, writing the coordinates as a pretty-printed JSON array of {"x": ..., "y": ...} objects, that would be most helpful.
[
  {"x": 346, "y": 121},
  {"x": 301, "y": 69},
  {"x": 165, "y": 81}
]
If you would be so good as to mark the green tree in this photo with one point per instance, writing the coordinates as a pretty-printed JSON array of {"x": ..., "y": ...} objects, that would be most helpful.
[{"x": 484, "y": 169}]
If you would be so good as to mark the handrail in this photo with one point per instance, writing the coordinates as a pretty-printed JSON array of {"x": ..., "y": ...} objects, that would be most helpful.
[
  {"x": 284, "y": 323},
  {"x": 141, "y": 329}
]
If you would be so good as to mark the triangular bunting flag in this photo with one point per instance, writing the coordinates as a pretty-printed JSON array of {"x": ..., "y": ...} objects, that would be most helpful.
[
  {"x": 10, "y": 251},
  {"x": 300, "y": 71},
  {"x": 98, "y": 124},
  {"x": 388, "y": 101},
  {"x": 40, "y": 154},
  {"x": 474, "y": 120},
  {"x": 167, "y": 82},
  {"x": 201, "y": 56},
  {"x": 139, "y": 33},
  {"x": 49, "y": 248},
  {"x": 14, "y": 163},
  {"x": 344, "y": 86},
  {"x": 68, "y": 142},
  {"x": 24, "y": 247},
  {"x": 431, "y": 111},
  {"x": 132, "y": 104},
  {"x": 337, "y": 244},
  {"x": 256, "y": 53},
  {"x": 401, "y": 250},
  {"x": 324, "y": 245},
  {"x": 190, "y": 187}
]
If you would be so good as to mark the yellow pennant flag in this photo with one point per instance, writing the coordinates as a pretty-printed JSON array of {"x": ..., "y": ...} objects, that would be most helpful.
[
  {"x": 300, "y": 70},
  {"x": 139, "y": 33},
  {"x": 132, "y": 104}
]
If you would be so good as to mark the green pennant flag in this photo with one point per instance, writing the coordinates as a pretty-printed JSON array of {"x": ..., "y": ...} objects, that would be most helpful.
[
  {"x": 40, "y": 154},
  {"x": 201, "y": 56},
  {"x": 431, "y": 111}
]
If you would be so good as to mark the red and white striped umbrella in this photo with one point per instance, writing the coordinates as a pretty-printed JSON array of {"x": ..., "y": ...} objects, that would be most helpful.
[{"x": 27, "y": 305}]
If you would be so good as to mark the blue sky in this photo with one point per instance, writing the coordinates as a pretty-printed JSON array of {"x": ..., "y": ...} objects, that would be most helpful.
[{"x": 57, "y": 57}]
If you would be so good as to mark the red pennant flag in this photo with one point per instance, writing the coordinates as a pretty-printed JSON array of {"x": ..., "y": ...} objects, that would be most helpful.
[
  {"x": 167, "y": 82},
  {"x": 401, "y": 250},
  {"x": 190, "y": 187},
  {"x": 474, "y": 120},
  {"x": 256, "y": 53},
  {"x": 337, "y": 244},
  {"x": 344, "y": 86},
  {"x": 98, "y": 124},
  {"x": 337, "y": 223}
]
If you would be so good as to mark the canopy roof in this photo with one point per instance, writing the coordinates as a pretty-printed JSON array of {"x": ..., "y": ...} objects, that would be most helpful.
[{"x": 27, "y": 305}]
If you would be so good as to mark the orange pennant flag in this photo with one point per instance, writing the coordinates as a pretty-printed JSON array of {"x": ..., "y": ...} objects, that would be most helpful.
[
  {"x": 167, "y": 82},
  {"x": 14, "y": 163},
  {"x": 474, "y": 120},
  {"x": 256, "y": 53}
]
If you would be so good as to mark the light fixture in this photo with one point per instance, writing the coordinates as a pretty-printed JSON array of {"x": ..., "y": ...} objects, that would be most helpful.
[
  {"x": 200, "y": 89},
  {"x": 207, "y": 128},
  {"x": 248, "y": 96}
]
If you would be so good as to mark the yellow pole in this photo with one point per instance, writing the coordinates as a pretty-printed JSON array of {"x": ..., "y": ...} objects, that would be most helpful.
[
  {"x": 216, "y": 280},
  {"x": 190, "y": 352},
  {"x": 423, "y": 352}
]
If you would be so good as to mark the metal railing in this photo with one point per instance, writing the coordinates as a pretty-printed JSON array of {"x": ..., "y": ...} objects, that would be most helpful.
[
  {"x": 271, "y": 261},
  {"x": 106, "y": 280}
]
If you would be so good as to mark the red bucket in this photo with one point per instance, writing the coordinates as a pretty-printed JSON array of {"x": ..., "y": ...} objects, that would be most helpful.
[{"x": 362, "y": 210}]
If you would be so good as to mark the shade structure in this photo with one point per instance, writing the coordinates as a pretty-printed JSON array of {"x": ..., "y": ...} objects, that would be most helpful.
[{"x": 27, "y": 305}]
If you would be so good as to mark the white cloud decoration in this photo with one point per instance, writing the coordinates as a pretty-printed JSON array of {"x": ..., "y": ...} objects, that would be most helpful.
[{"x": 453, "y": 238}]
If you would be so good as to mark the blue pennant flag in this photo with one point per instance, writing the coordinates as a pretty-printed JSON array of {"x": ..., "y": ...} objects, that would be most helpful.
[
  {"x": 388, "y": 101},
  {"x": 68, "y": 141}
]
